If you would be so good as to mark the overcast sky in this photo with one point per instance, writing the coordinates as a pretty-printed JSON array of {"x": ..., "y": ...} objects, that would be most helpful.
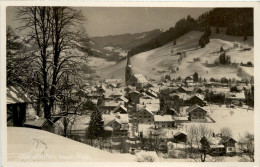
[{"x": 103, "y": 21}]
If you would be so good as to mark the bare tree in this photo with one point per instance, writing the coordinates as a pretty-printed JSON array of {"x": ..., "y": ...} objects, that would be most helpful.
[
  {"x": 56, "y": 31},
  {"x": 226, "y": 132},
  {"x": 195, "y": 134},
  {"x": 247, "y": 145}
]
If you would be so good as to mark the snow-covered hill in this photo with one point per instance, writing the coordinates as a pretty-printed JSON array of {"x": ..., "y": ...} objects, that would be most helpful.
[
  {"x": 159, "y": 59},
  {"x": 26, "y": 144}
]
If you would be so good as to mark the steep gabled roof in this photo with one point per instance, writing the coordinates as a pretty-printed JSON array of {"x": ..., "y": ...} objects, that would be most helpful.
[
  {"x": 148, "y": 109},
  {"x": 120, "y": 106},
  {"x": 192, "y": 108},
  {"x": 196, "y": 95},
  {"x": 16, "y": 95}
]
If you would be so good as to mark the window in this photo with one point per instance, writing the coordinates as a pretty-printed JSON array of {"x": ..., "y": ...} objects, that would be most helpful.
[
  {"x": 229, "y": 149},
  {"x": 149, "y": 120}
]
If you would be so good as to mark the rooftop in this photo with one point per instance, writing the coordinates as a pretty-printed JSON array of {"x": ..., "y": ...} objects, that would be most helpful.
[
  {"x": 16, "y": 95},
  {"x": 163, "y": 118}
]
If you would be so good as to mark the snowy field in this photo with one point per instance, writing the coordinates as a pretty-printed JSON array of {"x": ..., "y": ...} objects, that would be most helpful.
[
  {"x": 97, "y": 63},
  {"x": 241, "y": 121},
  {"x": 27, "y": 145}
]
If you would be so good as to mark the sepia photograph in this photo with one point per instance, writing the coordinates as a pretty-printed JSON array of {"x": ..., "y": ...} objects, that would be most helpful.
[{"x": 130, "y": 84}]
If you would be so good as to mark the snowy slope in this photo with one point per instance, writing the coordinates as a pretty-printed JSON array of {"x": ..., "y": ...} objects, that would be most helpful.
[
  {"x": 150, "y": 62},
  {"x": 26, "y": 144}
]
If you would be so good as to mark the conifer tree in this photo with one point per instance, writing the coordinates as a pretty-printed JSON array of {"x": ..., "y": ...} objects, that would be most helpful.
[{"x": 96, "y": 126}]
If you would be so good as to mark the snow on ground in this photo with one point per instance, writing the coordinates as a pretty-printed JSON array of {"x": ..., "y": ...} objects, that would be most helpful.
[
  {"x": 97, "y": 63},
  {"x": 241, "y": 121},
  {"x": 109, "y": 48},
  {"x": 150, "y": 62},
  {"x": 141, "y": 37},
  {"x": 26, "y": 144}
]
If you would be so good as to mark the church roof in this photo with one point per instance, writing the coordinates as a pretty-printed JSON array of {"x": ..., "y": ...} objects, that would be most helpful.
[{"x": 140, "y": 78}]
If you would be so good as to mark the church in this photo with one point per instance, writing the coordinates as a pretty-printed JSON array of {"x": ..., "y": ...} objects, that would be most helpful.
[{"x": 131, "y": 79}]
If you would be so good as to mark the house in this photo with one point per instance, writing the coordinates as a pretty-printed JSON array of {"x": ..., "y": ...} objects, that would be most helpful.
[
  {"x": 119, "y": 123},
  {"x": 151, "y": 93},
  {"x": 122, "y": 99},
  {"x": 197, "y": 90},
  {"x": 120, "y": 109},
  {"x": 163, "y": 121},
  {"x": 134, "y": 96},
  {"x": 180, "y": 137},
  {"x": 196, "y": 99},
  {"x": 116, "y": 94},
  {"x": 112, "y": 85},
  {"x": 146, "y": 116},
  {"x": 181, "y": 90},
  {"x": 110, "y": 105},
  {"x": 154, "y": 108},
  {"x": 174, "y": 112},
  {"x": 148, "y": 100},
  {"x": 219, "y": 145},
  {"x": 234, "y": 98},
  {"x": 230, "y": 146},
  {"x": 17, "y": 102},
  {"x": 129, "y": 89},
  {"x": 196, "y": 114},
  {"x": 40, "y": 123}
]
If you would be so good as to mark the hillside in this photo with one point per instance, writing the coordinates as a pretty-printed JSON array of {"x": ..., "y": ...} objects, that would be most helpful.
[
  {"x": 125, "y": 41},
  {"x": 151, "y": 62},
  {"x": 217, "y": 17},
  {"x": 39, "y": 145},
  {"x": 114, "y": 47}
]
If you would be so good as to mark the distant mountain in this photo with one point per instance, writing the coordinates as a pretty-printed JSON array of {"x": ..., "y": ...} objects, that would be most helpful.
[
  {"x": 116, "y": 47},
  {"x": 125, "y": 41}
]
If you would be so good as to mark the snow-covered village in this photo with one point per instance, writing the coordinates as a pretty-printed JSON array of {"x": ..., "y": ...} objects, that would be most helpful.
[{"x": 179, "y": 88}]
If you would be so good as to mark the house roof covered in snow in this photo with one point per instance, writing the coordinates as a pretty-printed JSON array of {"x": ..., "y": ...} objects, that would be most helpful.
[
  {"x": 120, "y": 118},
  {"x": 120, "y": 106},
  {"x": 38, "y": 123},
  {"x": 192, "y": 108},
  {"x": 16, "y": 95},
  {"x": 140, "y": 78},
  {"x": 238, "y": 96},
  {"x": 111, "y": 104},
  {"x": 163, "y": 118}
]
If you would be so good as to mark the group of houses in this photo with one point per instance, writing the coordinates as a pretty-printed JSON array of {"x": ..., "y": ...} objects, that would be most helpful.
[{"x": 136, "y": 108}]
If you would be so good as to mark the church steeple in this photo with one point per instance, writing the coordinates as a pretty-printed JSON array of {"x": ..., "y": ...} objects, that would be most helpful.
[
  {"x": 128, "y": 61},
  {"x": 128, "y": 69}
]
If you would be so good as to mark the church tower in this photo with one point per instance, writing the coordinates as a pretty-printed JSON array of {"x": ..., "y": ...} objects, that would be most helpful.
[{"x": 128, "y": 69}]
